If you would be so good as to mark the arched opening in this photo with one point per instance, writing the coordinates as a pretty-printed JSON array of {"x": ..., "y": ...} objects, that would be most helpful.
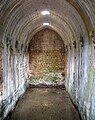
[{"x": 47, "y": 58}]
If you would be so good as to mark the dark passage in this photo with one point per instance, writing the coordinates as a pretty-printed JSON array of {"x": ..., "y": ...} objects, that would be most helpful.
[{"x": 45, "y": 104}]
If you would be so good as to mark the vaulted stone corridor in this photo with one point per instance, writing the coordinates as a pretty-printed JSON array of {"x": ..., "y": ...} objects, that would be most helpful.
[{"x": 47, "y": 43}]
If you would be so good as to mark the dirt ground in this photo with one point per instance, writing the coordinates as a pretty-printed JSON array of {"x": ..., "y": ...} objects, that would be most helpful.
[{"x": 45, "y": 104}]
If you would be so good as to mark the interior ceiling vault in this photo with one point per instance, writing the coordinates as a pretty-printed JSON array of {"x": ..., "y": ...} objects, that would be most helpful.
[{"x": 21, "y": 19}]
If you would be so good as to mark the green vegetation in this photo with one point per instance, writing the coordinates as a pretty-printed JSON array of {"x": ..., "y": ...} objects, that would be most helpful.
[{"x": 46, "y": 78}]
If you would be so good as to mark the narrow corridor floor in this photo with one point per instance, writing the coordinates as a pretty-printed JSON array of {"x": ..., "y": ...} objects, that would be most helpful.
[{"x": 45, "y": 104}]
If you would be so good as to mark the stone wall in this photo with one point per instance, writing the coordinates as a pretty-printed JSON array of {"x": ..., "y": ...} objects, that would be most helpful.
[
  {"x": 1, "y": 72},
  {"x": 46, "y": 58},
  {"x": 81, "y": 78},
  {"x": 15, "y": 75}
]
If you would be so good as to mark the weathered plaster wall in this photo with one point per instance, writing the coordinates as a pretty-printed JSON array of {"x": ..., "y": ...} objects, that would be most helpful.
[
  {"x": 81, "y": 78},
  {"x": 1, "y": 72},
  {"x": 46, "y": 58},
  {"x": 15, "y": 75}
]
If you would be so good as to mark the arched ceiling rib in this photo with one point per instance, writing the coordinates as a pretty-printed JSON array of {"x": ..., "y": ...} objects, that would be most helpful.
[
  {"x": 38, "y": 22},
  {"x": 86, "y": 9},
  {"x": 20, "y": 19}
]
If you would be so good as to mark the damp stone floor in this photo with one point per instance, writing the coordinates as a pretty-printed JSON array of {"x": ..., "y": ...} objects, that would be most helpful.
[{"x": 45, "y": 104}]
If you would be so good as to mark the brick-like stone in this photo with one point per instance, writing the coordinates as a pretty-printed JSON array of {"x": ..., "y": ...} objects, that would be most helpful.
[{"x": 46, "y": 56}]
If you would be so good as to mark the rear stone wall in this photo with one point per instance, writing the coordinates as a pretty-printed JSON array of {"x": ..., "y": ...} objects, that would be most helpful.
[{"x": 46, "y": 58}]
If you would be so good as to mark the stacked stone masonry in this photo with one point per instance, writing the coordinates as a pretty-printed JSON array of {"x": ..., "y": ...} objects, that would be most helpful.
[{"x": 46, "y": 57}]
